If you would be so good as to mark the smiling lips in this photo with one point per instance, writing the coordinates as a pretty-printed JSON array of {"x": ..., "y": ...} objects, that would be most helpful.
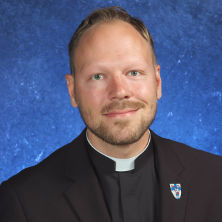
[
  {"x": 121, "y": 113},
  {"x": 122, "y": 108}
]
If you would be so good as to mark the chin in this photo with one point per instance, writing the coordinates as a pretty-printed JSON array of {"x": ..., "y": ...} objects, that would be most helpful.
[{"x": 123, "y": 136}]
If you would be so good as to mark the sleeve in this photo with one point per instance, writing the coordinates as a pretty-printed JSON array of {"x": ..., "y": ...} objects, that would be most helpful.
[{"x": 10, "y": 207}]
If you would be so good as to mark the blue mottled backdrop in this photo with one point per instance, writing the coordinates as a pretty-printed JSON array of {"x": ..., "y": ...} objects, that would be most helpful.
[{"x": 36, "y": 116}]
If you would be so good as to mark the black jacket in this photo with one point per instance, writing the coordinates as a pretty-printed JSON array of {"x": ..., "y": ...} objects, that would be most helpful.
[{"x": 64, "y": 187}]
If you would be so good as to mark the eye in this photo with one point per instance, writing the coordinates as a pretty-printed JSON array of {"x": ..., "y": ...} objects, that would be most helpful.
[
  {"x": 134, "y": 73},
  {"x": 97, "y": 76}
]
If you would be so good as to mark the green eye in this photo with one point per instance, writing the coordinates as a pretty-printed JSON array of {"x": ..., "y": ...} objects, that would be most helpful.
[
  {"x": 134, "y": 73},
  {"x": 97, "y": 76}
]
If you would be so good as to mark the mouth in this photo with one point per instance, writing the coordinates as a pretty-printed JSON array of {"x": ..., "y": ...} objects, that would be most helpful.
[{"x": 121, "y": 113}]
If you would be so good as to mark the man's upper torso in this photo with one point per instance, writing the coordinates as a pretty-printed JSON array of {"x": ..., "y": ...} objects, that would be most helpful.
[{"x": 65, "y": 187}]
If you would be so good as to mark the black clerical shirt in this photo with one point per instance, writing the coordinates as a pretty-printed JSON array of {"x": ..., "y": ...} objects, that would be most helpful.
[{"x": 131, "y": 196}]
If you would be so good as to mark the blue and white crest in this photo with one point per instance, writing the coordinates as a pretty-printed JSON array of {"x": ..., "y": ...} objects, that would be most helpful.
[{"x": 176, "y": 190}]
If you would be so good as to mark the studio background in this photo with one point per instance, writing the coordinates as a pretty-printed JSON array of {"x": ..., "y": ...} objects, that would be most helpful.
[{"x": 36, "y": 116}]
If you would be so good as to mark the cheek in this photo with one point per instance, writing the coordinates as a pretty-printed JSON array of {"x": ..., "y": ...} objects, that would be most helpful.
[
  {"x": 145, "y": 90},
  {"x": 92, "y": 97}
]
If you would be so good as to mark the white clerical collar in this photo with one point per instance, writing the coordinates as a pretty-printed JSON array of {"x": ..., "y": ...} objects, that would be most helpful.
[{"x": 122, "y": 164}]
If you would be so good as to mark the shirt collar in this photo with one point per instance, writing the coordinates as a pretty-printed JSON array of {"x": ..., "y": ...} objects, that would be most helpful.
[{"x": 116, "y": 164}]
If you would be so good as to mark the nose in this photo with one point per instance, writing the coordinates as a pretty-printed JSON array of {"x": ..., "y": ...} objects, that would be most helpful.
[{"x": 118, "y": 88}]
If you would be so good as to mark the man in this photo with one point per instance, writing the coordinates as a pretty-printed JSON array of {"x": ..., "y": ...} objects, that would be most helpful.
[{"x": 117, "y": 169}]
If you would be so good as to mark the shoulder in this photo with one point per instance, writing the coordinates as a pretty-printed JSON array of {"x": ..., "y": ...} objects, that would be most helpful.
[
  {"x": 50, "y": 169},
  {"x": 188, "y": 156},
  {"x": 34, "y": 189}
]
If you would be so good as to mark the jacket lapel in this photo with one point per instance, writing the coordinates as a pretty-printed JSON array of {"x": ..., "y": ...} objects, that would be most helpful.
[
  {"x": 86, "y": 198},
  {"x": 84, "y": 193},
  {"x": 171, "y": 170}
]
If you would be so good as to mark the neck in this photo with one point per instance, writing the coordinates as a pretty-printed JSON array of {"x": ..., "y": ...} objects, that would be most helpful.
[{"x": 119, "y": 151}]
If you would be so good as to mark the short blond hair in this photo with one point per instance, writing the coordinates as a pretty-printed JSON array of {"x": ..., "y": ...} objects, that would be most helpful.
[{"x": 106, "y": 15}]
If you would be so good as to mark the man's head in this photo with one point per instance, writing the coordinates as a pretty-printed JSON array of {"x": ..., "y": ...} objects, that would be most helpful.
[
  {"x": 116, "y": 83},
  {"x": 107, "y": 15}
]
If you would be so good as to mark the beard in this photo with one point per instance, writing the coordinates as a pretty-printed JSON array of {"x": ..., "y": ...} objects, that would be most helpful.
[{"x": 122, "y": 131}]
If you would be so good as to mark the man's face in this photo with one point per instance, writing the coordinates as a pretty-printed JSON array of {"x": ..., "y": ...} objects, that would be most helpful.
[{"x": 116, "y": 84}]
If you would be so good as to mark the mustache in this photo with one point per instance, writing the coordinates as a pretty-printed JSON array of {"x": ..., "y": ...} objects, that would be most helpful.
[{"x": 122, "y": 105}]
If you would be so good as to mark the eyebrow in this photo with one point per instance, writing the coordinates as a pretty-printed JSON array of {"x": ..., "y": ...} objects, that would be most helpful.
[{"x": 102, "y": 65}]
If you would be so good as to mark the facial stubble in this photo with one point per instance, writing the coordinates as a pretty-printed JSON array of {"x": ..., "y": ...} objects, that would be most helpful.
[{"x": 131, "y": 133}]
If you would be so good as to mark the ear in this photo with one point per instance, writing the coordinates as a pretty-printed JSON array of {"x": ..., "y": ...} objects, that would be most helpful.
[
  {"x": 70, "y": 84},
  {"x": 158, "y": 81}
]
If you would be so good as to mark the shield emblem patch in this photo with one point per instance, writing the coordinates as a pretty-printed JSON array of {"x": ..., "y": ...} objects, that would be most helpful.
[{"x": 176, "y": 190}]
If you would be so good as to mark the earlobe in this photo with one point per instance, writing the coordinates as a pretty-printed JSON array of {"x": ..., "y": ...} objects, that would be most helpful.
[{"x": 70, "y": 84}]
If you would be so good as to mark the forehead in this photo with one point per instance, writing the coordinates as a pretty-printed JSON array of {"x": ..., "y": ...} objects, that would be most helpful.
[{"x": 110, "y": 40}]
